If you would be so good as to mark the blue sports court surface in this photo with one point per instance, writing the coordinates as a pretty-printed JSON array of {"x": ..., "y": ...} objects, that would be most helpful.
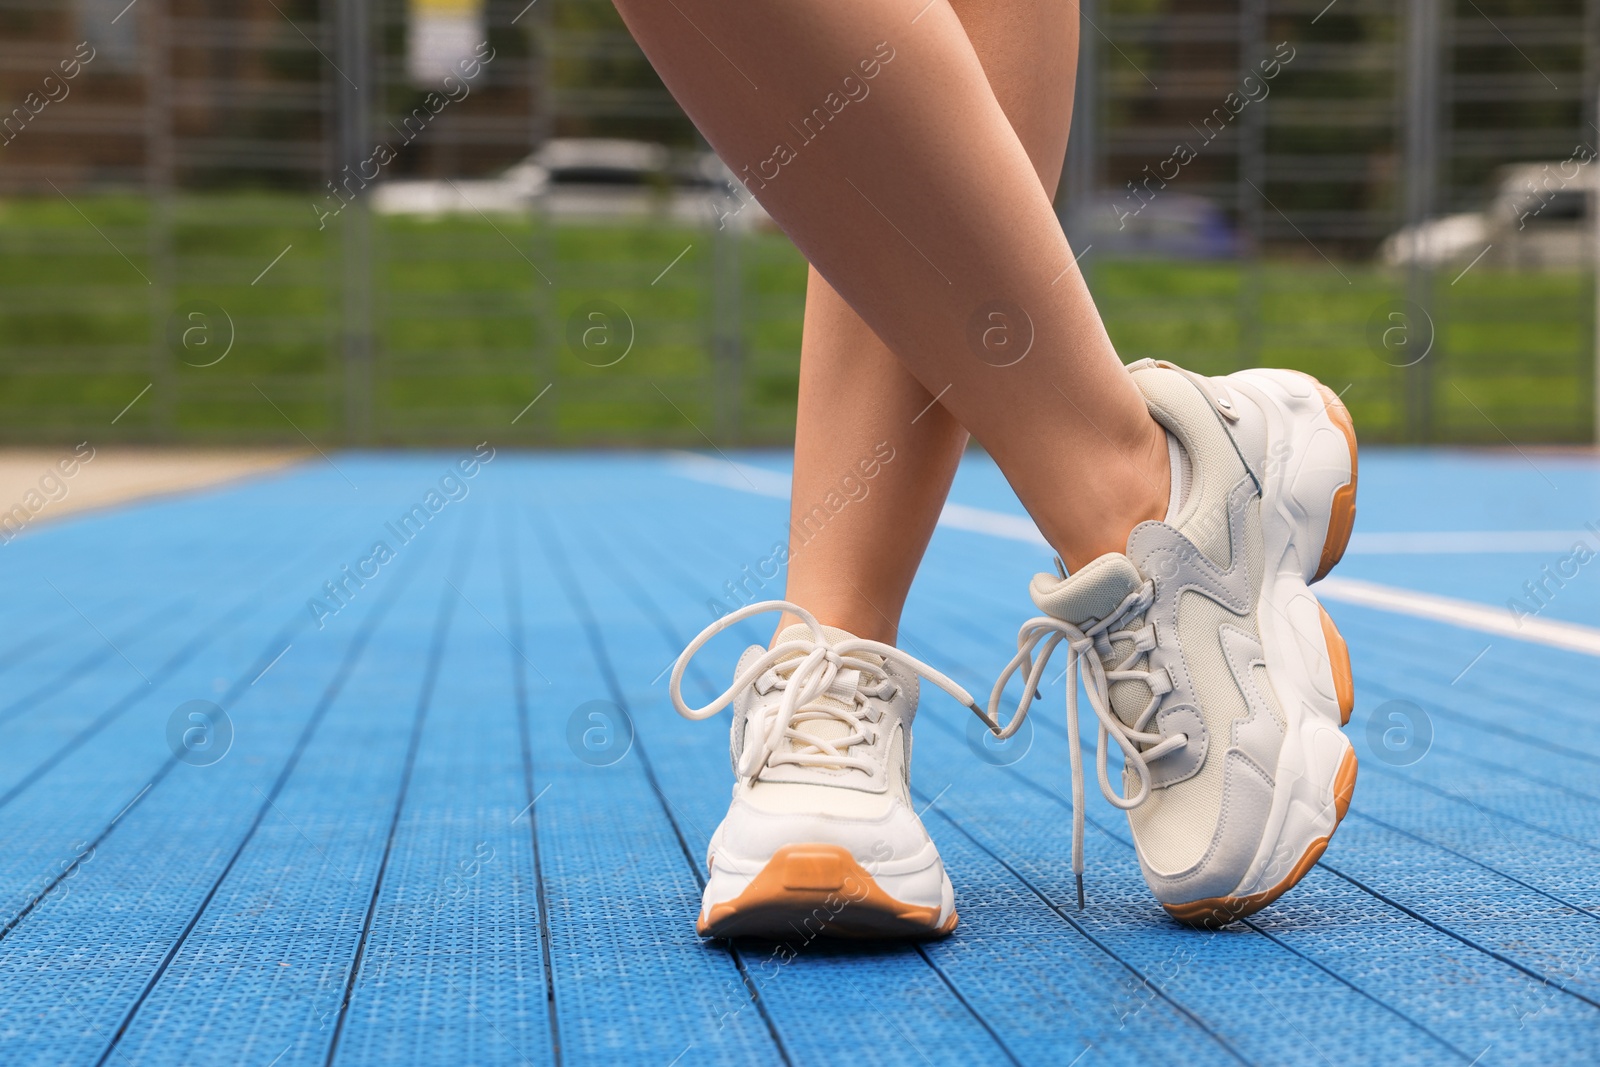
[{"x": 254, "y": 810}]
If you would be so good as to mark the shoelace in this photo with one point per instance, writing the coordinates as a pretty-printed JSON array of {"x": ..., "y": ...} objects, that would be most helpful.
[
  {"x": 1085, "y": 649},
  {"x": 805, "y": 670}
]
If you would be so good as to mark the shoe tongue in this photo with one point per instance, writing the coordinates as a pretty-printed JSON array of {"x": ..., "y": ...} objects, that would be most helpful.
[
  {"x": 1094, "y": 591},
  {"x": 801, "y": 632},
  {"x": 840, "y": 695},
  {"x": 1086, "y": 597}
]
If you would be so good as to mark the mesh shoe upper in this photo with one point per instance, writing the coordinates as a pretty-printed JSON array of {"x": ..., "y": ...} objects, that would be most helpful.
[
  {"x": 821, "y": 747},
  {"x": 1171, "y": 626}
]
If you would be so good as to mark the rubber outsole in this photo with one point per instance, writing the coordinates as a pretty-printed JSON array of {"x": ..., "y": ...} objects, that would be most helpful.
[
  {"x": 808, "y": 891},
  {"x": 1343, "y": 518},
  {"x": 1341, "y": 523},
  {"x": 1214, "y": 913},
  {"x": 1344, "y": 685}
]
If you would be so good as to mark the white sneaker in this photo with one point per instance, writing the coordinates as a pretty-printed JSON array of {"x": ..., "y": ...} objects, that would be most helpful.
[
  {"x": 1214, "y": 668},
  {"x": 821, "y": 837}
]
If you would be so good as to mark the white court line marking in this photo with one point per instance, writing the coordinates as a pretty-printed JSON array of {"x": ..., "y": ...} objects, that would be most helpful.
[
  {"x": 993, "y": 523},
  {"x": 771, "y": 483},
  {"x": 1571, "y": 636},
  {"x": 731, "y": 475},
  {"x": 1458, "y": 542}
]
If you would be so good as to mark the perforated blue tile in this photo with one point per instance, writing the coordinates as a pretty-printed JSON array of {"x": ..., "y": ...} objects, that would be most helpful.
[{"x": 403, "y": 858}]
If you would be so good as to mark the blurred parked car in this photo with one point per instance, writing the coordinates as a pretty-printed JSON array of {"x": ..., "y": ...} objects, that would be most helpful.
[
  {"x": 1170, "y": 225},
  {"x": 588, "y": 178},
  {"x": 1541, "y": 215}
]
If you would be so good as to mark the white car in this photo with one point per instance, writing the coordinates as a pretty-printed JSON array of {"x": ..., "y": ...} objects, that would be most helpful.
[
  {"x": 1541, "y": 215},
  {"x": 588, "y": 178}
]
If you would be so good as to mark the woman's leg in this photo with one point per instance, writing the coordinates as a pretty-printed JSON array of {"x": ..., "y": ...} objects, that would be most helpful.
[
  {"x": 861, "y": 413},
  {"x": 858, "y": 403},
  {"x": 871, "y": 134}
]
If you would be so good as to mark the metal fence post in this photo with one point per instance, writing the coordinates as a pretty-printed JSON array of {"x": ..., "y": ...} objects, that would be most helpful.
[
  {"x": 355, "y": 259},
  {"x": 158, "y": 189},
  {"x": 548, "y": 329},
  {"x": 1592, "y": 104},
  {"x": 1083, "y": 144},
  {"x": 1420, "y": 159},
  {"x": 1252, "y": 176},
  {"x": 727, "y": 333}
]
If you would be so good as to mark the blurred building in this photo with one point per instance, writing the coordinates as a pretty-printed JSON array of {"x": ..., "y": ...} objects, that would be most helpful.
[
  {"x": 1333, "y": 123},
  {"x": 1326, "y": 124}
]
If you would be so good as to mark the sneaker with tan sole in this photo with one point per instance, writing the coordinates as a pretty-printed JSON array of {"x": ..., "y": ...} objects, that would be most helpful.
[
  {"x": 821, "y": 838},
  {"x": 1205, "y": 655}
]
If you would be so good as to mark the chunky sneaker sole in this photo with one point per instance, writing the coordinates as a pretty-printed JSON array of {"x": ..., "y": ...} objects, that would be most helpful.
[
  {"x": 1203, "y": 652},
  {"x": 1308, "y": 490},
  {"x": 818, "y": 889}
]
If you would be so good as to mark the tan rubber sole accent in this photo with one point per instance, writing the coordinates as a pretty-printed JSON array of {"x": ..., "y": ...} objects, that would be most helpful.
[
  {"x": 1216, "y": 912},
  {"x": 1344, "y": 685},
  {"x": 806, "y": 891},
  {"x": 1343, "y": 519}
]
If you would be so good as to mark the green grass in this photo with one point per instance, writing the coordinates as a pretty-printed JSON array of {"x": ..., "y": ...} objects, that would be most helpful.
[
  {"x": 1512, "y": 353},
  {"x": 470, "y": 319}
]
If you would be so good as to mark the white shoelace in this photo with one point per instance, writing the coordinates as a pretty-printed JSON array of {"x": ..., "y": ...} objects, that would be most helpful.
[
  {"x": 1085, "y": 649},
  {"x": 806, "y": 670}
]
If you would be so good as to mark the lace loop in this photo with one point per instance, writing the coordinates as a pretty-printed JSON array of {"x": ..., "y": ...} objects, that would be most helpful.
[
  {"x": 1085, "y": 648},
  {"x": 805, "y": 670}
]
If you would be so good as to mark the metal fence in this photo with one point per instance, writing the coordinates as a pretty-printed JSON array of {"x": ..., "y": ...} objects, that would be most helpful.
[
  {"x": 1348, "y": 121},
  {"x": 189, "y": 248}
]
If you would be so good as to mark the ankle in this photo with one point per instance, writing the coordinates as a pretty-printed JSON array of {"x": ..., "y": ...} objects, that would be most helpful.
[
  {"x": 1111, "y": 496},
  {"x": 869, "y": 625}
]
